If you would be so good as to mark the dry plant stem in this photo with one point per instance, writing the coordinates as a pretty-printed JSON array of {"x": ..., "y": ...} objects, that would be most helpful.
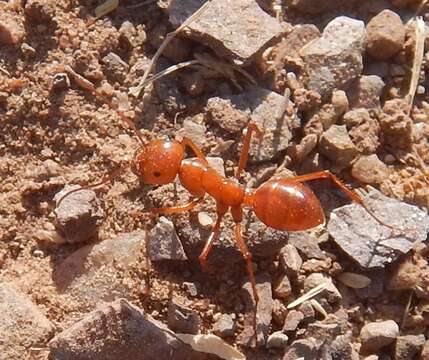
[
  {"x": 406, "y": 310},
  {"x": 137, "y": 91},
  {"x": 308, "y": 295},
  {"x": 4, "y": 71},
  {"x": 417, "y": 61}
]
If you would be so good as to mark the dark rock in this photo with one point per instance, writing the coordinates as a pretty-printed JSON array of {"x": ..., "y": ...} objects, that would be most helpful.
[
  {"x": 375, "y": 288},
  {"x": 225, "y": 326},
  {"x": 376, "y": 335},
  {"x": 289, "y": 260},
  {"x": 279, "y": 312},
  {"x": 370, "y": 243},
  {"x": 181, "y": 319},
  {"x": 334, "y": 60},
  {"x": 292, "y": 321},
  {"x": 94, "y": 272},
  {"x": 304, "y": 348},
  {"x": 339, "y": 349},
  {"x": 22, "y": 324},
  {"x": 263, "y": 311},
  {"x": 119, "y": 330},
  {"x": 408, "y": 346},
  {"x": 237, "y": 30},
  {"x": 163, "y": 242},
  {"x": 385, "y": 35},
  {"x": 78, "y": 215},
  {"x": 116, "y": 69}
]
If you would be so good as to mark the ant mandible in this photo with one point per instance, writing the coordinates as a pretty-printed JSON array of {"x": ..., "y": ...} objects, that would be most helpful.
[{"x": 285, "y": 204}]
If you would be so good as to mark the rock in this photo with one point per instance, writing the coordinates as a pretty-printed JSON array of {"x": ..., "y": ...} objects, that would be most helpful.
[
  {"x": 323, "y": 332},
  {"x": 312, "y": 6},
  {"x": 237, "y": 30},
  {"x": 283, "y": 288},
  {"x": 163, "y": 242},
  {"x": 396, "y": 125},
  {"x": 306, "y": 101},
  {"x": 119, "y": 330},
  {"x": 363, "y": 129},
  {"x": 408, "y": 346},
  {"x": 331, "y": 292},
  {"x": 366, "y": 92},
  {"x": 289, "y": 260},
  {"x": 279, "y": 312},
  {"x": 335, "y": 143},
  {"x": 368, "y": 242},
  {"x": 308, "y": 311},
  {"x": 78, "y": 215},
  {"x": 339, "y": 348},
  {"x": 11, "y": 32},
  {"x": 304, "y": 348},
  {"x": 22, "y": 324},
  {"x": 263, "y": 311},
  {"x": 225, "y": 326},
  {"x": 376, "y": 335},
  {"x": 370, "y": 170},
  {"x": 425, "y": 352},
  {"x": 39, "y": 11},
  {"x": 94, "y": 273},
  {"x": 277, "y": 340},
  {"x": 194, "y": 131},
  {"x": 292, "y": 321},
  {"x": 334, "y": 60},
  {"x": 261, "y": 240},
  {"x": 116, "y": 69},
  {"x": 306, "y": 243},
  {"x": 181, "y": 319},
  {"x": 262, "y": 106},
  {"x": 385, "y": 35},
  {"x": 375, "y": 288}
]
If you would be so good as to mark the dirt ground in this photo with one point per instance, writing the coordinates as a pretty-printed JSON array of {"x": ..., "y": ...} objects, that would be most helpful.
[{"x": 55, "y": 131}]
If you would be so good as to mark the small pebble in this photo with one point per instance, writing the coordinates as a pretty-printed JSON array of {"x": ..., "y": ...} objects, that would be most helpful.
[{"x": 277, "y": 340}]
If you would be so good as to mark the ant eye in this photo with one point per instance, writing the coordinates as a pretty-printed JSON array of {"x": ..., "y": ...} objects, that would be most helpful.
[{"x": 156, "y": 174}]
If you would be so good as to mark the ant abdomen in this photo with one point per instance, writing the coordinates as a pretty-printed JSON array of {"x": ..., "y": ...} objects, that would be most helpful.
[{"x": 287, "y": 205}]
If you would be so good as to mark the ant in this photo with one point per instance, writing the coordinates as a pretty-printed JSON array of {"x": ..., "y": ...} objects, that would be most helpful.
[{"x": 285, "y": 204}]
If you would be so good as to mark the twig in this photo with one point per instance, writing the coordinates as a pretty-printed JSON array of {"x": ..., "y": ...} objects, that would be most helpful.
[
  {"x": 136, "y": 91},
  {"x": 417, "y": 61}
]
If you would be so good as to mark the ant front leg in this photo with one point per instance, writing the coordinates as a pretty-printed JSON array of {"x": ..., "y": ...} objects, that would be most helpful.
[
  {"x": 350, "y": 193},
  {"x": 244, "y": 156}
]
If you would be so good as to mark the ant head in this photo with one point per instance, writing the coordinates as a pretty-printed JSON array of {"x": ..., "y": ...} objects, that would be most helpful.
[{"x": 158, "y": 162}]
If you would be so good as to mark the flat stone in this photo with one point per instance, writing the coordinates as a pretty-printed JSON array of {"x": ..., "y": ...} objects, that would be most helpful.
[
  {"x": 408, "y": 346},
  {"x": 22, "y": 324},
  {"x": 376, "y": 335},
  {"x": 263, "y": 311},
  {"x": 225, "y": 326},
  {"x": 119, "y": 330},
  {"x": 78, "y": 215},
  {"x": 163, "y": 242},
  {"x": 182, "y": 319},
  {"x": 93, "y": 273},
  {"x": 385, "y": 35},
  {"x": 292, "y": 321},
  {"x": 277, "y": 340},
  {"x": 303, "y": 348},
  {"x": 261, "y": 106},
  {"x": 368, "y": 242},
  {"x": 336, "y": 144},
  {"x": 334, "y": 60},
  {"x": 331, "y": 292},
  {"x": 194, "y": 131},
  {"x": 306, "y": 243},
  {"x": 237, "y": 30}
]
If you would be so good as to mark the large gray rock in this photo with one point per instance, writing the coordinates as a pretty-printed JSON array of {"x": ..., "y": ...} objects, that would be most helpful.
[
  {"x": 94, "y": 272},
  {"x": 367, "y": 241},
  {"x": 119, "y": 330},
  {"x": 237, "y": 29},
  {"x": 334, "y": 60},
  {"x": 22, "y": 324}
]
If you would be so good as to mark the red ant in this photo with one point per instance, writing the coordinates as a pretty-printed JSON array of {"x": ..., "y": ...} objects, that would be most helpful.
[{"x": 283, "y": 204}]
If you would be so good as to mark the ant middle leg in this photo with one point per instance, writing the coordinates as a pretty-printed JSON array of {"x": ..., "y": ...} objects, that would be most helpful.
[
  {"x": 176, "y": 209},
  {"x": 325, "y": 174}
]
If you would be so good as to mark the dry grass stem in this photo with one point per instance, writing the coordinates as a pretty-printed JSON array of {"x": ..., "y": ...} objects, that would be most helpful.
[
  {"x": 105, "y": 8},
  {"x": 308, "y": 295}
]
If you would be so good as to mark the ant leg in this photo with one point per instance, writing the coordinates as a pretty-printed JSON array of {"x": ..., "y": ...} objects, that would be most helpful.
[
  {"x": 246, "y": 147},
  {"x": 349, "y": 192},
  {"x": 107, "y": 178},
  {"x": 176, "y": 209},
  {"x": 189, "y": 143},
  {"x": 214, "y": 235}
]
